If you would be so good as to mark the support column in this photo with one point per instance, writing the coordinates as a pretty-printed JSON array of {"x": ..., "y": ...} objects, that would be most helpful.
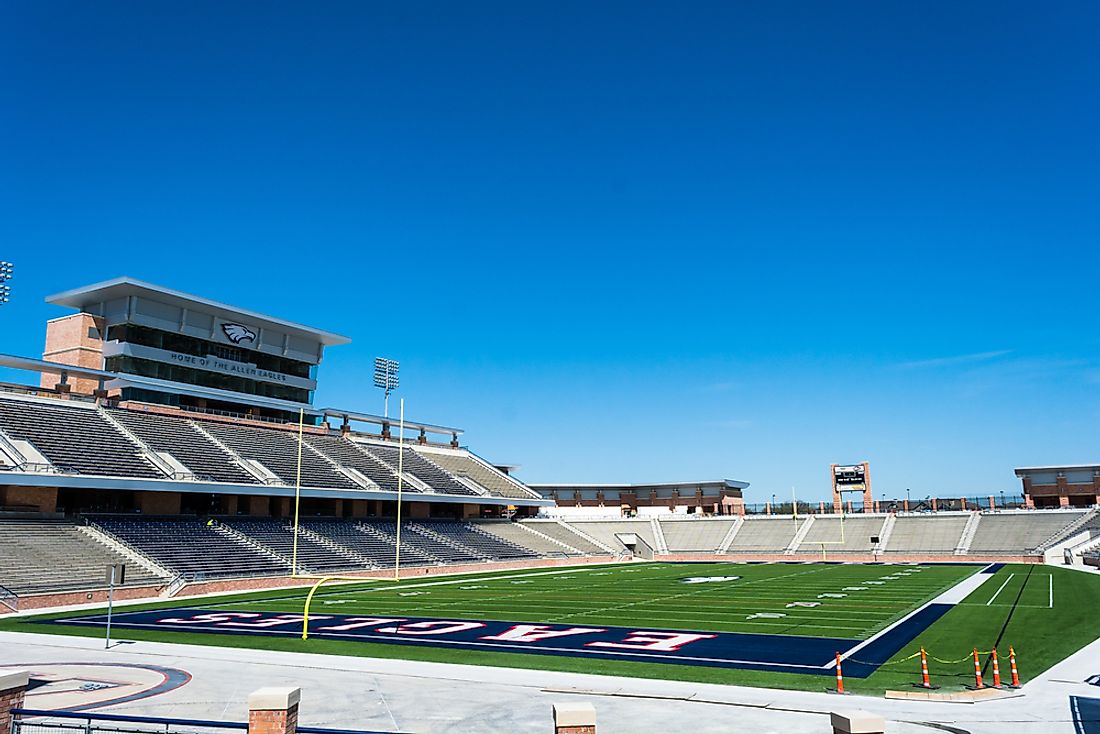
[
  {"x": 574, "y": 718},
  {"x": 13, "y": 688},
  {"x": 273, "y": 711}
]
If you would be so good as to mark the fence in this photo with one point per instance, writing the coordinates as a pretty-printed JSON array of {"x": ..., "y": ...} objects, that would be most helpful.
[
  {"x": 66, "y": 722},
  {"x": 9, "y": 599},
  {"x": 999, "y": 500}
]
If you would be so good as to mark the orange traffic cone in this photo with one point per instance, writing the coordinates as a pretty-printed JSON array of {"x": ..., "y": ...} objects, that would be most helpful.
[
  {"x": 1012, "y": 665},
  {"x": 996, "y": 670},
  {"x": 978, "y": 684}
]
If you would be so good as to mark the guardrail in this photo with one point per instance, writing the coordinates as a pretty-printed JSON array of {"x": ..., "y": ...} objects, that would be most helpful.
[
  {"x": 9, "y": 598},
  {"x": 94, "y": 723}
]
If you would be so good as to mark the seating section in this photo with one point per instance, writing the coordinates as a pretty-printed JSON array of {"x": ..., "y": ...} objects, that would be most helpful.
[
  {"x": 74, "y": 437},
  {"x": 190, "y": 546},
  {"x": 565, "y": 534},
  {"x": 926, "y": 533},
  {"x": 495, "y": 482},
  {"x": 349, "y": 454},
  {"x": 178, "y": 437},
  {"x": 415, "y": 464},
  {"x": 483, "y": 543},
  {"x": 278, "y": 451},
  {"x": 516, "y": 534},
  {"x": 418, "y": 546},
  {"x": 1018, "y": 532},
  {"x": 363, "y": 538},
  {"x": 766, "y": 535},
  {"x": 40, "y": 556},
  {"x": 848, "y": 534},
  {"x": 605, "y": 531},
  {"x": 278, "y": 536},
  {"x": 695, "y": 535}
]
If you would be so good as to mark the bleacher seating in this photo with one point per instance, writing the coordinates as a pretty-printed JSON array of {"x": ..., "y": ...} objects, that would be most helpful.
[
  {"x": 565, "y": 534},
  {"x": 190, "y": 546},
  {"x": 495, "y": 482},
  {"x": 477, "y": 540},
  {"x": 278, "y": 451},
  {"x": 926, "y": 533},
  {"x": 415, "y": 464},
  {"x": 764, "y": 535},
  {"x": 74, "y": 437},
  {"x": 605, "y": 531},
  {"x": 414, "y": 551},
  {"x": 349, "y": 454},
  {"x": 695, "y": 535},
  {"x": 1018, "y": 532},
  {"x": 515, "y": 533},
  {"x": 852, "y": 534},
  {"x": 278, "y": 536},
  {"x": 178, "y": 437},
  {"x": 40, "y": 556}
]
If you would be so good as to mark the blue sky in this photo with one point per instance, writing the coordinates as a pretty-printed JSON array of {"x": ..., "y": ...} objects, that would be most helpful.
[{"x": 616, "y": 242}]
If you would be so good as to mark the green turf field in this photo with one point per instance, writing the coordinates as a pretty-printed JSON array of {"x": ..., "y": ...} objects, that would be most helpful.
[{"x": 1046, "y": 613}]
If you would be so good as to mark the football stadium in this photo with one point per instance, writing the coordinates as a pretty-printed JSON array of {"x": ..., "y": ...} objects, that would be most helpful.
[{"x": 174, "y": 505}]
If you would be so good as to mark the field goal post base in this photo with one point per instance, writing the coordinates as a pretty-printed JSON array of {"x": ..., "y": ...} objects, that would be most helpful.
[{"x": 321, "y": 581}]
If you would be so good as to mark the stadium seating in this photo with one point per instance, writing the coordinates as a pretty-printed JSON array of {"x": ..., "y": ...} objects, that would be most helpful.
[
  {"x": 189, "y": 546},
  {"x": 39, "y": 556},
  {"x": 926, "y": 533},
  {"x": 562, "y": 533},
  {"x": 605, "y": 531},
  {"x": 518, "y": 534},
  {"x": 1018, "y": 532},
  {"x": 416, "y": 547},
  {"x": 695, "y": 535},
  {"x": 495, "y": 482},
  {"x": 178, "y": 437},
  {"x": 362, "y": 538},
  {"x": 479, "y": 541},
  {"x": 350, "y": 454},
  {"x": 278, "y": 536},
  {"x": 278, "y": 451},
  {"x": 415, "y": 464},
  {"x": 74, "y": 437},
  {"x": 764, "y": 535},
  {"x": 832, "y": 534}
]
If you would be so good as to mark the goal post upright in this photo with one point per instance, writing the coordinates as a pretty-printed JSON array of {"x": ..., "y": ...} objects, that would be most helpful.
[
  {"x": 400, "y": 476},
  {"x": 297, "y": 492}
]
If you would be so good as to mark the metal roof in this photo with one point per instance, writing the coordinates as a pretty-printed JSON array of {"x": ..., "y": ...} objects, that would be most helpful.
[
  {"x": 731, "y": 483},
  {"x": 380, "y": 420},
  {"x": 82, "y": 298}
]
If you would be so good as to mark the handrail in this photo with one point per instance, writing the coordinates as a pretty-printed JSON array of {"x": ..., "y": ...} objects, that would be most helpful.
[
  {"x": 5, "y": 595},
  {"x": 164, "y": 721}
]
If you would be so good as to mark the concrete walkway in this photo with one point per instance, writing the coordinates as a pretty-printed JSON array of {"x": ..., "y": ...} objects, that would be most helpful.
[{"x": 430, "y": 698}]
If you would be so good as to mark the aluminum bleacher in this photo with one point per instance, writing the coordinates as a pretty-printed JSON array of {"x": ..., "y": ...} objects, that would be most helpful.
[
  {"x": 695, "y": 535},
  {"x": 764, "y": 535},
  {"x": 841, "y": 534},
  {"x": 278, "y": 451},
  {"x": 517, "y": 534},
  {"x": 476, "y": 539},
  {"x": 278, "y": 536},
  {"x": 1018, "y": 532},
  {"x": 415, "y": 464},
  {"x": 564, "y": 534},
  {"x": 927, "y": 533},
  {"x": 190, "y": 546},
  {"x": 494, "y": 481},
  {"x": 350, "y": 454},
  {"x": 74, "y": 437},
  {"x": 47, "y": 555},
  {"x": 605, "y": 531},
  {"x": 178, "y": 437}
]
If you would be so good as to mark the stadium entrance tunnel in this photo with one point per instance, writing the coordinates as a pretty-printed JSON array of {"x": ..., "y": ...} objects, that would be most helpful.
[{"x": 775, "y": 653}]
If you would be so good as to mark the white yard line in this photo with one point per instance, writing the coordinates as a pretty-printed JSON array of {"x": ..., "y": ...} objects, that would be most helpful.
[
  {"x": 1051, "y": 577},
  {"x": 994, "y": 597}
]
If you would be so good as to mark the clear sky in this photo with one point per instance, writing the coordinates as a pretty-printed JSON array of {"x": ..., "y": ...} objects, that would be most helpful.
[{"x": 616, "y": 242}]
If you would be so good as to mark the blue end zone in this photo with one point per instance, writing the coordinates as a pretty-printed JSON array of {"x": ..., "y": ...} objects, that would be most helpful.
[
  {"x": 992, "y": 568},
  {"x": 776, "y": 653}
]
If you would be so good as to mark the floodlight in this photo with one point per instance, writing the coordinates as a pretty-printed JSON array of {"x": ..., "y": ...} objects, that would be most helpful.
[{"x": 386, "y": 378}]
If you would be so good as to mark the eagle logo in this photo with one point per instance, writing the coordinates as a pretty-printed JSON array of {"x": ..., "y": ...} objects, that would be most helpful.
[{"x": 237, "y": 333}]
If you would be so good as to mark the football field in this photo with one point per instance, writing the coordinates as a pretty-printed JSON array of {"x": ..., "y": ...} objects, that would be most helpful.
[{"x": 772, "y": 624}]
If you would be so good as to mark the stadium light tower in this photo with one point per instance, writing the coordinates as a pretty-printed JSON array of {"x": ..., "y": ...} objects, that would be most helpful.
[
  {"x": 6, "y": 269},
  {"x": 386, "y": 378}
]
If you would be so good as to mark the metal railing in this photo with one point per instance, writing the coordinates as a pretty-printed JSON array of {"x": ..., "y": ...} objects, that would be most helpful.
[
  {"x": 72, "y": 722},
  {"x": 9, "y": 599}
]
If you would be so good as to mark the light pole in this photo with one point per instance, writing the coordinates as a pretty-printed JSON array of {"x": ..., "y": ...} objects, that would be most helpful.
[
  {"x": 1003, "y": 505},
  {"x": 6, "y": 269},
  {"x": 386, "y": 378}
]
